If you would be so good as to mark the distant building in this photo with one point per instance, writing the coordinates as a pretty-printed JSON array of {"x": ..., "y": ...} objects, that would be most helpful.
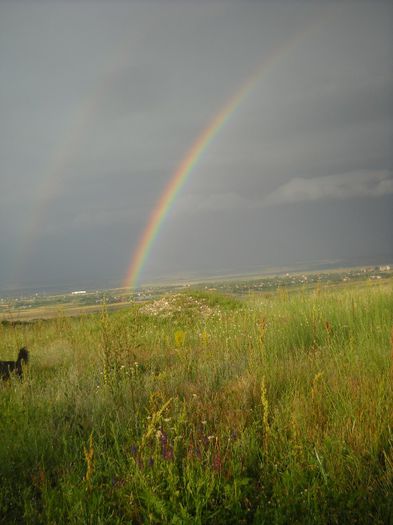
[{"x": 78, "y": 292}]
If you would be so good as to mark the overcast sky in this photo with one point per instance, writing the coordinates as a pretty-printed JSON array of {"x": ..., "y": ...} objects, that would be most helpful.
[{"x": 100, "y": 101}]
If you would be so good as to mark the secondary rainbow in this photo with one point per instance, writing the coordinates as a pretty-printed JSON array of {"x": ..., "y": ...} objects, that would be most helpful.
[
  {"x": 192, "y": 157},
  {"x": 54, "y": 175}
]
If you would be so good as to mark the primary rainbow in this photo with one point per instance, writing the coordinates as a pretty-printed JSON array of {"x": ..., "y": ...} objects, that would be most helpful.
[{"x": 186, "y": 166}]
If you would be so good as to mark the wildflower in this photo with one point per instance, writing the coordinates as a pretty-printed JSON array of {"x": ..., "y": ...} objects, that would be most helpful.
[
  {"x": 315, "y": 385},
  {"x": 265, "y": 411},
  {"x": 89, "y": 455},
  {"x": 262, "y": 329},
  {"x": 180, "y": 337},
  {"x": 217, "y": 462},
  {"x": 204, "y": 337},
  {"x": 233, "y": 435},
  {"x": 167, "y": 452}
]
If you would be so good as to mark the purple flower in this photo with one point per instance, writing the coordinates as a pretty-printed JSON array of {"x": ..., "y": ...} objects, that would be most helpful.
[
  {"x": 167, "y": 452},
  {"x": 163, "y": 438}
]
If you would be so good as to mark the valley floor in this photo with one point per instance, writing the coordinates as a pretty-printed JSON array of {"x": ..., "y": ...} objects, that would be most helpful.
[{"x": 199, "y": 407}]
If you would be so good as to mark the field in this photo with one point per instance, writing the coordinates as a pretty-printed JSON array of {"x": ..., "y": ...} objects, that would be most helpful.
[{"x": 200, "y": 407}]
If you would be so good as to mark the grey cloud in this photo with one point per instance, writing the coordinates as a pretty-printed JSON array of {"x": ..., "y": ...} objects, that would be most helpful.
[
  {"x": 352, "y": 185},
  {"x": 343, "y": 186}
]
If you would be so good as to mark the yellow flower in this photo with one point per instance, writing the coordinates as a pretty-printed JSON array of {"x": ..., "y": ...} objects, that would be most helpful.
[
  {"x": 204, "y": 337},
  {"x": 180, "y": 337}
]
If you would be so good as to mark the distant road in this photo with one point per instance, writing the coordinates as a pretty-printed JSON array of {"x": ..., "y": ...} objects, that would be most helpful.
[{"x": 50, "y": 312}]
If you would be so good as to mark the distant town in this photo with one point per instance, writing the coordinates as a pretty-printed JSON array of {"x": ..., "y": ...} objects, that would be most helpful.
[{"x": 85, "y": 301}]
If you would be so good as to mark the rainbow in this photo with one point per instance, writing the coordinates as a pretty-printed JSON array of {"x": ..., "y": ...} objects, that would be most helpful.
[
  {"x": 192, "y": 157},
  {"x": 53, "y": 177},
  {"x": 177, "y": 181}
]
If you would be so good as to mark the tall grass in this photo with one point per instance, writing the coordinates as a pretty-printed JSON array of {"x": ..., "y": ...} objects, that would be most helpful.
[{"x": 204, "y": 409}]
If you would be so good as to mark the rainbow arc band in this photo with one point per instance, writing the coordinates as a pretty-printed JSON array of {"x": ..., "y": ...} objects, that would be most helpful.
[
  {"x": 186, "y": 166},
  {"x": 53, "y": 176}
]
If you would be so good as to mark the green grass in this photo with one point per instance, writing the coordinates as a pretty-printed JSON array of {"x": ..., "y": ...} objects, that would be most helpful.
[{"x": 200, "y": 408}]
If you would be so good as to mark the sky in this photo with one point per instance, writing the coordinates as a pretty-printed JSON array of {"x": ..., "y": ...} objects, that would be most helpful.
[{"x": 100, "y": 102}]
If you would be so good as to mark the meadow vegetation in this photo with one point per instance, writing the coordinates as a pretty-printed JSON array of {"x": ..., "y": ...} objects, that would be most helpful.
[{"x": 203, "y": 408}]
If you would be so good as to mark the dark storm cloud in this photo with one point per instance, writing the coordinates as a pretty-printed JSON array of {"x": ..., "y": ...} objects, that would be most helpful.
[{"x": 120, "y": 91}]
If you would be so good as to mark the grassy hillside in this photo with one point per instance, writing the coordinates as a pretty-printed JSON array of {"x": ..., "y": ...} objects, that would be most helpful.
[{"x": 201, "y": 408}]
